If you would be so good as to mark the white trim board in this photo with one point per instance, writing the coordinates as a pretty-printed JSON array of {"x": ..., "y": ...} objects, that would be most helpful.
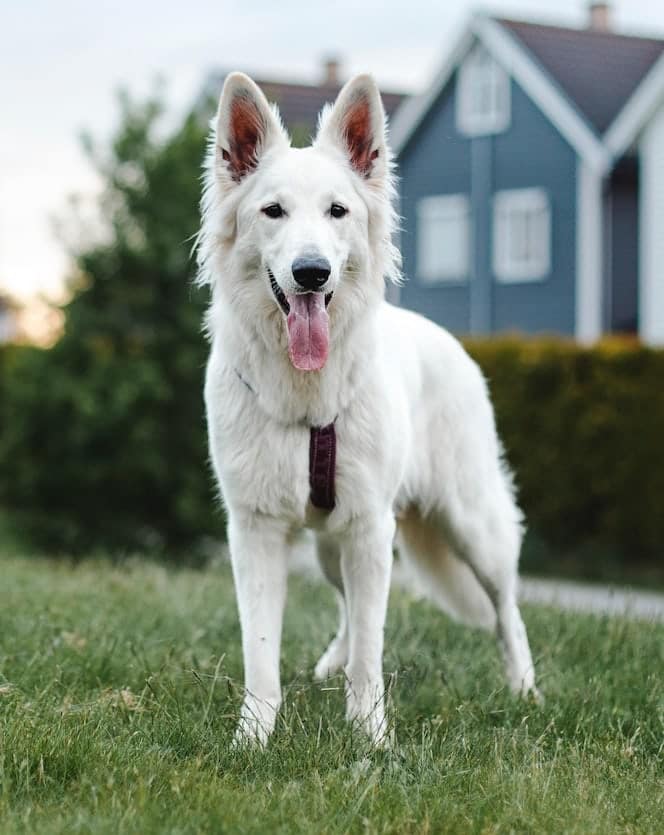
[
  {"x": 411, "y": 113},
  {"x": 651, "y": 243},
  {"x": 640, "y": 108},
  {"x": 588, "y": 300},
  {"x": 530, "y": 77},
  {"x": 543, "y": 92}
]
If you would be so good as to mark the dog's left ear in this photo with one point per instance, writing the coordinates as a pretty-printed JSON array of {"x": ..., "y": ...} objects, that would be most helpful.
[{"x": 356, "y": 125}]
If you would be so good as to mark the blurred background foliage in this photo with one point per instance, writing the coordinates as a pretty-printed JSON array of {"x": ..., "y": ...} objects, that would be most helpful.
[
  {"x": 582, "y": 430},
  {"x": 102, "y": 437}
]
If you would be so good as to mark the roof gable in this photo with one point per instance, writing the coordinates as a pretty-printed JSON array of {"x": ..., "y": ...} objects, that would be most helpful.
[
  {"x": 598, "y": 71},
  {"x": 597, "y": 88},
  {"x": 507, "y": 50},
  {"x": 637, "y": 112}
]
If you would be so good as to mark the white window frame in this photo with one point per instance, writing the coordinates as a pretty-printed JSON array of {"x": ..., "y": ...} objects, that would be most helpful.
[
  {"x": 443, "y": 209},
  {"x": 483, "y": 95},
  {"x": 507, "y": 206}
]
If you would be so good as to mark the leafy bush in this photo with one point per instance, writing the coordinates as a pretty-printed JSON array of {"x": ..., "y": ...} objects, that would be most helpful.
[
  {"x": 583, "y": 430},
  {"x": 103, "y": 437}
]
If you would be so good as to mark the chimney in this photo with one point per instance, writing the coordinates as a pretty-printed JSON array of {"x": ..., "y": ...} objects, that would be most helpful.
[
  {"x": 599, "y": 19},
  {"x": 331, "y": 68}
]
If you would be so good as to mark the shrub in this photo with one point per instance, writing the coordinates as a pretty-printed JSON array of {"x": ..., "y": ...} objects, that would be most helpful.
[
  {"x": 583, "y": 429},
  {"x": 102, "y": 439}
]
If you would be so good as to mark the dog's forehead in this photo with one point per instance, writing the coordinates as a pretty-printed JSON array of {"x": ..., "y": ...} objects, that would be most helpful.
[{"x": 307, "y": 170}]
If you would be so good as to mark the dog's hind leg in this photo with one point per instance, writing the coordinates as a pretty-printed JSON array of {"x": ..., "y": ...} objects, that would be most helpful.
[
  {"x": 488, "y": 539},
  {"x": 335, "y": 657},
  {"x": 449, "y": 582}
]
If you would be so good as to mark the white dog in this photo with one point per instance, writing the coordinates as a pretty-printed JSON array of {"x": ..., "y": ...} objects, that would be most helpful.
[{"x": 330, "y": 409}]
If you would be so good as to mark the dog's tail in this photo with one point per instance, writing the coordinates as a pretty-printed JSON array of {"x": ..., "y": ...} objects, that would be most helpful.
[{"x": 430, "y": 567}]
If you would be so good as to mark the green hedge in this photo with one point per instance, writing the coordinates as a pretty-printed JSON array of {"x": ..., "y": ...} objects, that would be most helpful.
[
  {"x": 102, "y": 437},
  {"x": 104, "y": 447},
  {"x": 583, "y": 430}
]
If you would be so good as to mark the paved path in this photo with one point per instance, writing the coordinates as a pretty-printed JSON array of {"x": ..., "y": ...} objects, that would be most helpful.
[
  {"x": 564, "y": 594},
  {"x": 588, "y": 597}
]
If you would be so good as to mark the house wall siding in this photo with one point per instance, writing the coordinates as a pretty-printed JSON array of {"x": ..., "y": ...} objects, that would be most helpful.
[
  {"x": 622, "y": 232},
  {"x": 531, "y": 153},
  {"x": 436, "y": 161}
]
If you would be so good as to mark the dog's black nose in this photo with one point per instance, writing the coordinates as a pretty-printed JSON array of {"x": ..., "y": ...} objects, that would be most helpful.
[{"x": 311, "y": 273}]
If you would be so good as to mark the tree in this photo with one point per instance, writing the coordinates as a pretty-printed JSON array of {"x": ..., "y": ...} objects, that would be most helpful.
[{"x": 103, "y": 440}]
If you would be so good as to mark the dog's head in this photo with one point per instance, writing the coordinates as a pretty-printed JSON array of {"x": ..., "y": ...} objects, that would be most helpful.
[{"x": 301, "y": 237}]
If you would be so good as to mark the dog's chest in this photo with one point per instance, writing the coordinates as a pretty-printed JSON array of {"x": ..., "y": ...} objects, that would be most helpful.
[
  {"x": 268, "y": 470},
  {"x": 309, "y": 477},
  {"x": 316, "y": 477}
]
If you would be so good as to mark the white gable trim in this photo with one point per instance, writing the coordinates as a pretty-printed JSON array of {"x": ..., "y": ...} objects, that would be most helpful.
[
  {"x": 640, "y": 108},
  {"x": 538, "y": 86},
  {"x": 530, "y": 77},
  {"x": 409, "y": 116},
  {"x": 651, "y": 243},
  {"x": 588, "y": 327}
]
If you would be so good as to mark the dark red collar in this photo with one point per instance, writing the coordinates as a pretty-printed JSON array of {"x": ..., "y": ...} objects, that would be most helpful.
[{"x": 322, "y": 459}]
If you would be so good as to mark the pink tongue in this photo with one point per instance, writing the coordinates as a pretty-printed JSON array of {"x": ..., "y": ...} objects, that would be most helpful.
[{"x": 308, "y": 331}]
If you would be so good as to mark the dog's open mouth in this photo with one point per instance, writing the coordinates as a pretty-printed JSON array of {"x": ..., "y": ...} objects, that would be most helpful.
[
  {"x": 279, "y": 294},
  {"x": 308, "y": 326}
]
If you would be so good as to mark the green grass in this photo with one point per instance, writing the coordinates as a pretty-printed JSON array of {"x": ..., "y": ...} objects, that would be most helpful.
[{"x": 119, "y": 689}]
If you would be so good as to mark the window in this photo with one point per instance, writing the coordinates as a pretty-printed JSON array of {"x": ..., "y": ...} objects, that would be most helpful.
[
  {"x": 443, "y": 238},
  {"x": 521, "y": 235},
  {"x": 483, "y": 95}
]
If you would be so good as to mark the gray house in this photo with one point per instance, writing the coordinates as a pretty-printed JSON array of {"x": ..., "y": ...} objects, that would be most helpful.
[{"x": 532, "y": 182}]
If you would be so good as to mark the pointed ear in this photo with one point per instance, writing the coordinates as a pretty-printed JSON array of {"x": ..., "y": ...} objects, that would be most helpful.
[
  {"x": 356, "y": 125},
  {"x": 246, "y": 127}
]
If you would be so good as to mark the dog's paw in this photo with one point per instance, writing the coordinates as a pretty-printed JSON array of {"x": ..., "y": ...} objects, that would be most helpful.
[
  {"x": 249, "y": 735},
  {"x": 533, "y": 695},
  {"x": 528, "y": 692},
  {"x": 375, "y": 728},
  {"x": 365, "y": 709},
  {"x": 333, "y": 660},
  {"x": 257, "y": 720}
]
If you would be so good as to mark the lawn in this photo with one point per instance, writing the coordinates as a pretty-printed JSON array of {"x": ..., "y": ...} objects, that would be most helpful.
[{"x": 120, "y": 685}]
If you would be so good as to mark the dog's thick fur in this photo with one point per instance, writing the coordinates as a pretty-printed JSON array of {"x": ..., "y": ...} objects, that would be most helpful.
[{"x": 418, "y": 458}]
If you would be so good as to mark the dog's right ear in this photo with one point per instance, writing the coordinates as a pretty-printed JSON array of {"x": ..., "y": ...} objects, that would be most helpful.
[
  {"x": 356, "y": 125},
  {"x": 246, "y": 127}
]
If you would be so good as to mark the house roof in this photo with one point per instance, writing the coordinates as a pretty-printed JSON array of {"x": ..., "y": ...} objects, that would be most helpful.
[
  {"x": 519, "y": 62},
  {"x": 597, "y": 88},
  {"x": 598, "y": 71},
  {"x": 298, "y": 103}
]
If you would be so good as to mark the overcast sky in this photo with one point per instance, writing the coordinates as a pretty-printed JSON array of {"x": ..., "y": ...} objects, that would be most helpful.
[{"x": 61, "y": 63}]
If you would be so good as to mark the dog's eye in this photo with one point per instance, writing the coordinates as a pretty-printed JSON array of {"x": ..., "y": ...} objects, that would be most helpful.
[
  {"x": 337, "y": 210},
  {"x": 274, "y": 211}
]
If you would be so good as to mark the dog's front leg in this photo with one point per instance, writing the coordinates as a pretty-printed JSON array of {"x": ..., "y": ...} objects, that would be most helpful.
[
  {"x": 260, "y": 570},
  {"x": 366, "y": 564}
]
